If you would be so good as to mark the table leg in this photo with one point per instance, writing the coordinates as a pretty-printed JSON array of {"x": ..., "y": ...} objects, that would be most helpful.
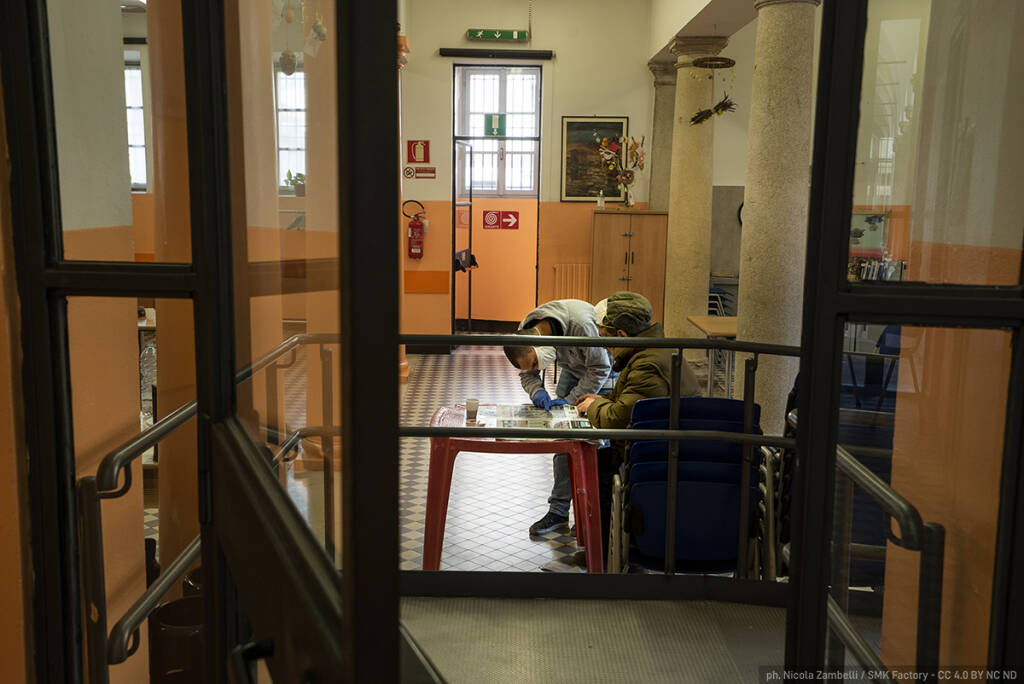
[
  {"x": 586, "y": 484},
  {"x": 439, "y": 485},
  {"x": 577, "y": 505}
]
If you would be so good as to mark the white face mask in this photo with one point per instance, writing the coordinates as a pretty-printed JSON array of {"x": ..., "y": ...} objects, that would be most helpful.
[{"x": 545, "y": 357}]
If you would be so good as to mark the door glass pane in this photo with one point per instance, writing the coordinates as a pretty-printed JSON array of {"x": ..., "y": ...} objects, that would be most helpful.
[
  {"x": 923, "y": 411},
  {"x": 936, "y": 184},
  {"x": 122, "y": 152},
  {"x": 286, "y": 239},
  {"x": 132, "y": 363}
]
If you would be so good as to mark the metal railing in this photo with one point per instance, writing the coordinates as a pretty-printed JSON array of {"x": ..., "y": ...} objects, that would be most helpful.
[
  {"x": 915, "y": 535},
  {"x": 672, "y": 435},
  {"x": 123, "y": 640}
]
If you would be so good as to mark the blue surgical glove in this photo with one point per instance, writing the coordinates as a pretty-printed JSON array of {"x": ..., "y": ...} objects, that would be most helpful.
[{"x": 543, "y": 400}]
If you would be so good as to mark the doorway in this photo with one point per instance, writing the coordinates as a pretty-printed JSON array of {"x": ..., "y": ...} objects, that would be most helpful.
[{"x": 496, "y": 193}]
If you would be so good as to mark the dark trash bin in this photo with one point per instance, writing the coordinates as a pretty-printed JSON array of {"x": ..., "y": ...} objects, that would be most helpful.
[{"x": 176, "y": 642}]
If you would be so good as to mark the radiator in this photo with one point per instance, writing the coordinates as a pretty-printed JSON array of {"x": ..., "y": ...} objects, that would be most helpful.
[{"x": 572, "y": 281}]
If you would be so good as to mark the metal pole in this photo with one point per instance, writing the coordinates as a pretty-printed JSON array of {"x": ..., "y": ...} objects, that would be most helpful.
[
  {"x": 672, "y": 490},
  {"x": 469, "y": 269},
  {"x": 327, "y": 447},
  {"x": 929, "y": 598},
  {"x": 273, "y": 425},
  {"x": 750, "y": 367}
]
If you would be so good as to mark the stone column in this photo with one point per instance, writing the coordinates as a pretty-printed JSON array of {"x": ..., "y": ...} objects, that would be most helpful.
[
  {"x": 661, "y": 136},
  {"x": 688, "y": 252},
  {"x": 775, "y": 211}
]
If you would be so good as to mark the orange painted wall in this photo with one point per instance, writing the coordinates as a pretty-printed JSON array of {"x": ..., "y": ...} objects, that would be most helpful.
[
  {"x": 13, "y": 602},
  {"x": 142, "y": 226},
  {"x": 947, "y": 456}
]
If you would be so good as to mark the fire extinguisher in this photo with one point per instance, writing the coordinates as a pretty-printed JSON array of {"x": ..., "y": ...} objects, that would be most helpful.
[{"x": 418, "y": 225}]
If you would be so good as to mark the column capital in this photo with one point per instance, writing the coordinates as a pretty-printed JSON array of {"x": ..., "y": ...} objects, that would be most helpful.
[
  {"x": 688, "y": 48},
  {"x": 664, "y": 73},
  {"x": 758, "y": 4}
]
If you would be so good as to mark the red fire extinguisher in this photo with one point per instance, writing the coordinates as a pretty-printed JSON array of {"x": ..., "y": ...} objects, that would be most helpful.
[{"x": 418, "y": 225}]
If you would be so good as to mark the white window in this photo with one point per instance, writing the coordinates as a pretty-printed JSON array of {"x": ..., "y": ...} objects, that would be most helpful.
[
  {"x": 502, "y": 166},
  {"x": 290, "y": 93},
  {"x": 136, "y": 119}
]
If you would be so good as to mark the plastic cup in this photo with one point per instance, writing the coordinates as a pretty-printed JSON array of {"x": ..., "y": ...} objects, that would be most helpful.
[{"x": 471, "y": 407}]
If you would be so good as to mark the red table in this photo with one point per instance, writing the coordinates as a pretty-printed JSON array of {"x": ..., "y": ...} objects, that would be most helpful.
[{"x": 443, "y": 450}]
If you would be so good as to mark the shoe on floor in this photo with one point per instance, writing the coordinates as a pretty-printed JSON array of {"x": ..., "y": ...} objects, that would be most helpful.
[{"x": 550, "y": 521}]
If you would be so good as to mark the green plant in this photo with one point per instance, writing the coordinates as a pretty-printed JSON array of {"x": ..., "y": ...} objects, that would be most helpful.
[{"x": 296, "y": 179}]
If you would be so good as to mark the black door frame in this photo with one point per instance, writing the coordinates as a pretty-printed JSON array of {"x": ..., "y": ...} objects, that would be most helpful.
[
  {"x": 829, "y": 302},
  {"x": 367, "y": 595}
]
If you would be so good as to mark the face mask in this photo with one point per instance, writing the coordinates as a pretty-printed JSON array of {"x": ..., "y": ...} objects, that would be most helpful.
[{"x": 545, "y": 357}]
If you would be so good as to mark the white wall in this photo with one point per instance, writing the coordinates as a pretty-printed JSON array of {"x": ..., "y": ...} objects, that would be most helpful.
[
  {"x": 87, "y": 65},
  {"x": 668, "y": 17},
  {"x": 730, "y": 151},
  {"x": 599, "y": 68}
]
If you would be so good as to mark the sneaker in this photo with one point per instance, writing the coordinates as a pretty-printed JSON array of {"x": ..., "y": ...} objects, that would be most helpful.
[{"x": 550, "y": 521}]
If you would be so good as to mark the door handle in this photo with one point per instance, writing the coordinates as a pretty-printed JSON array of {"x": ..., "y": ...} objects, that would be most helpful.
[{"x": 244, "y": 655}]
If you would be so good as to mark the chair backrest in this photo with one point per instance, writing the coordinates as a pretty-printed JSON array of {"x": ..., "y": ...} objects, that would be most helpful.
[{"x": 692, "y": 408}]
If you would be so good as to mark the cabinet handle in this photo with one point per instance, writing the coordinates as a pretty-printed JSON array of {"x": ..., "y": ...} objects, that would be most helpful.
[
  {"x": 625, "y": 257},
  {"x": 632, "y": 257}
]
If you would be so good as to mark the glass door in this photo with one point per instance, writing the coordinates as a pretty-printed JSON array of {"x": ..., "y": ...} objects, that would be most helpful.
[
  {"x": 907, "y": 508},
  {"x": 275, "y": 316}
]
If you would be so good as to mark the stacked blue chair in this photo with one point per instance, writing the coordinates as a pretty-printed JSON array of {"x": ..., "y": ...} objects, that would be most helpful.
[{"x": 708, "y": 476}]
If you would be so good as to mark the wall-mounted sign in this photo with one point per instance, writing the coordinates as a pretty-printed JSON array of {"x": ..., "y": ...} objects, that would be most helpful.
[
  {"x": 426, "y": 172},
  {"x": 498, "y": 34},
  {"x": 494, "y": 124},
  {"x": 417, "y": 151},
  {"x": 506, "y": 220},
  {"x": 408, "y": 172}
]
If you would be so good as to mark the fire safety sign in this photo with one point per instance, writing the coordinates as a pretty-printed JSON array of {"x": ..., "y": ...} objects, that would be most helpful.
[
  {"x": 417, "y": 151},
  {"x": 506, "y": 220}
]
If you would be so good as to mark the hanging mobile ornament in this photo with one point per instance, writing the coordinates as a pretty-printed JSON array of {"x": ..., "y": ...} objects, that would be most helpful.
[
  {"x": 317, "y": 34},
  {"x": 725, "y": 104}
]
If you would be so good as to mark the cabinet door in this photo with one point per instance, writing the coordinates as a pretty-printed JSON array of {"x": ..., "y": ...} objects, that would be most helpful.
[
  {"x": 647, "y": 259},
  {"x": 611, "y": 255}
]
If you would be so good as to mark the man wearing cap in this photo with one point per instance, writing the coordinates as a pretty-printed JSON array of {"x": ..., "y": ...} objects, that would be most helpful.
[
  {"x": 643, "y": 374},
  {"x": 584, "y": 370}
]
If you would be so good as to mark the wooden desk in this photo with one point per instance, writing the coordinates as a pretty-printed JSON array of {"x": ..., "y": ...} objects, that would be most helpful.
[
  {"x": 717, "y": 327},
  {"x": 443, "y": 450}
]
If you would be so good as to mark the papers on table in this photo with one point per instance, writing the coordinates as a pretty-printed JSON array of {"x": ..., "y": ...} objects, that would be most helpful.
[{"x": 524, "y": 415}]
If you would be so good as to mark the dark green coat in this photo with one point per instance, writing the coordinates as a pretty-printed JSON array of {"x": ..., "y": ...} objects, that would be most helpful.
[{"x": 643, "y": 374}]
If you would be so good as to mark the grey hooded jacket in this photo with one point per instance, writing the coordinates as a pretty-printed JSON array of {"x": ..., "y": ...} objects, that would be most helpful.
[{"x": 592, "y": 365}]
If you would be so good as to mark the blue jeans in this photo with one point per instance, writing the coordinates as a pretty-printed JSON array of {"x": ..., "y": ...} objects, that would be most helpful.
[{"x": 561, "y": 491}]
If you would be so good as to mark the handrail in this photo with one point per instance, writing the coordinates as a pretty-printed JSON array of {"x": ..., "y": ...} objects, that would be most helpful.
[
  {"x": 852, "y": 639},
  {"x": 110, "y": 467},
  {"x": 105, "y": 486},
  {"x": 596, "y": 433},
  {"x": 928, "y": 538},
  {"x": 623, "y": 342},
  {"x": 127, "y": 627}
]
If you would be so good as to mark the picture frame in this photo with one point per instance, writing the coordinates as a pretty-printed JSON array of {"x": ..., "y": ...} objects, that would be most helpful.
[
  {"x": 582, "y": 168},
  {"x": 869, "y": 232}
]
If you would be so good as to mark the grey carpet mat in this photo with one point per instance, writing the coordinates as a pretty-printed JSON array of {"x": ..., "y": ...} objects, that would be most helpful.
[{"x": 545, "y": 640}]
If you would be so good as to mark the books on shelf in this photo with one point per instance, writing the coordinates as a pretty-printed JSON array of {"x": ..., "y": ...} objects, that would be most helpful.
[{"x": 861, "y": 268}]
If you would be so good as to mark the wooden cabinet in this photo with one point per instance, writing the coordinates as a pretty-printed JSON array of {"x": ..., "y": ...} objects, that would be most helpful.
[{"x": 629, "y": 254}]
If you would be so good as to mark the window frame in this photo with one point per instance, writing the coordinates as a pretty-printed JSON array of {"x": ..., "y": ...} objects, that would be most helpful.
[
  {"x": 140, "y": 66},
  {"x": 461, "y": 128}
]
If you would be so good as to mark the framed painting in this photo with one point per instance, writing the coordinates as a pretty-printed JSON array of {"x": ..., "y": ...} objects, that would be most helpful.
[{"x": 583, "y": 173}]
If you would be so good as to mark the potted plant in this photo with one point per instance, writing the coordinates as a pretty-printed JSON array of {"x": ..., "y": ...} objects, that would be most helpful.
[{"x": 297, "y": 182}]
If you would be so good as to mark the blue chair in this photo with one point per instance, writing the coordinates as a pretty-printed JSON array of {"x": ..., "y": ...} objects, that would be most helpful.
[{"x": 708, "y": 477}]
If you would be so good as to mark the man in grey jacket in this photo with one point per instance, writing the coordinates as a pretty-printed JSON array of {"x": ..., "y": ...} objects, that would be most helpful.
[{"x": 585, "y": 370}]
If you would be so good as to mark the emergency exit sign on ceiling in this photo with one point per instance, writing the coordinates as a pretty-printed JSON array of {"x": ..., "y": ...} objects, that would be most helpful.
[
  {"x": 494, "y": 124},
  {"x": 498, "y": 34}
]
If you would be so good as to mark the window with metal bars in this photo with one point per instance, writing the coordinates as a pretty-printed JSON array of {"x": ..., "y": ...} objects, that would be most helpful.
[
  {"x": 505, "y": 165},
  {"x": 290, "y": 100}
]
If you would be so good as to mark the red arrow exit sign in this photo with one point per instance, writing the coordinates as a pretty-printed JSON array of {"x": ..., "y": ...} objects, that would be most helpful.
[{"x": 503, "y": 220}]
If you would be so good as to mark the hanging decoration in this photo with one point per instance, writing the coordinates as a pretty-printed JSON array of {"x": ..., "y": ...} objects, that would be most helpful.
[
  {"x": 711, "y": 64},
  {"x": 317, "y": 34}
]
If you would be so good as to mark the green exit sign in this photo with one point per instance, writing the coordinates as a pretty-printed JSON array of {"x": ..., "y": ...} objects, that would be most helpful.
[
  {"x": 494, "y": 125},
  {"x": 497, "y": 34}
]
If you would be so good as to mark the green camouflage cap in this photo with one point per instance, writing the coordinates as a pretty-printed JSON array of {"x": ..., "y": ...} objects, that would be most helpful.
[{"x": 629, "y": 311}]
